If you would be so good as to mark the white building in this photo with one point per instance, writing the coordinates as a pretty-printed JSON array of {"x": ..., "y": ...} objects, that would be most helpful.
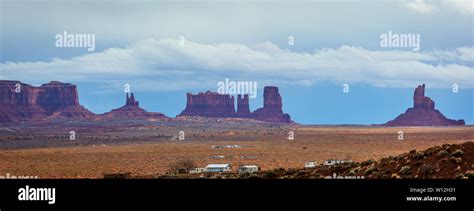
[
  {"x": 331, "y": 162},
  {"x": 218, "y": 168},
  {"x": 310, "y": 164},
  {"x": 197, "y": 170},
  {"x": 248, "y": 169}
]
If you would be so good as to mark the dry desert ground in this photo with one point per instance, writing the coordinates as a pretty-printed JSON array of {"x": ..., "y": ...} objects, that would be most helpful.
[{"x": 151, "y": 150}]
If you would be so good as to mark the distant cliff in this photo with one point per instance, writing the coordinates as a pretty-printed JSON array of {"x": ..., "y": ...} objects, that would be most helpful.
[
  {"x": 131, "y": 110},
  {"x": 272, "y": 107},
  {"x": 423, "y": 113},
  {"x": 209, "y": 104},
  {"x": 212, "y": 104},
  {"x": 22, "y": 102}
]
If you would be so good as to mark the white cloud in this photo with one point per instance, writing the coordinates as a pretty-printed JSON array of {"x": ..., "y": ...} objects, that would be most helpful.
[
  {"x": 461, "y": 54},
  {"x": 165, "y": 65},
  {"x": 465, "y": 7},
  {"x": 421, "y": 6}
]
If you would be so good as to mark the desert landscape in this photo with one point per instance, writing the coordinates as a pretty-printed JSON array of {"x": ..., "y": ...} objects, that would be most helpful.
[
  {"x": 150, "y": 149},
  {"x": 257, "y": 104},
  {"x": 46, "y": 133}
]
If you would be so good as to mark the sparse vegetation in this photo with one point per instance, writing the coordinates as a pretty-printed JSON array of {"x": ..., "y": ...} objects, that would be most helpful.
[
  {"x": 182, "y": 166},
  {"x": 443, "y": 153},
  {"x": 455, "y": 159},
  {"x": 427, "y": 169},
  {"x": 405, "y": 170},
  {"x": 118, "y": 176},
  {"x": 417, "y": 163},
  {"x": 369, "y": 170},
  {"x": 419, "y": 155},
  {"x": 457, "y": 153},
  {"x": 269, "y": 175},
  {"x": 140, "y": 151},
  {"x": 470, "y": 174},
  {"x": 368, "y": 162}
]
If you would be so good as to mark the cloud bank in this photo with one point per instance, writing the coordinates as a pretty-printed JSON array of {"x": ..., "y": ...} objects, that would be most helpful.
[
  {"x": 463, "y": 7},
  {"x": 165, "y": 65}
]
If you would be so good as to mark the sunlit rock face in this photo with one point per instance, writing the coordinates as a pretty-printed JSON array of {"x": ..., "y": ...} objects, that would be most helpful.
[{"x": 23, "y": 102}]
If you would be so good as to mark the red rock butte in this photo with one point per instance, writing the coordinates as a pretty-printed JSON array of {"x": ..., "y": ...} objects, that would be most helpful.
[
  {"x": 213, "y": 104},
  {"x": 132, "y": 110},
  {"x": 272, "y": 107},
  {"x": 243, "y": 109},
  {"x": 209, "y": 104},
  {"x": 423, "y": 113},
  {"x": 23, "y": 102}
]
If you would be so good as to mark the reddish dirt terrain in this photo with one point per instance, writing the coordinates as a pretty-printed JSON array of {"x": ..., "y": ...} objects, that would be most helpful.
[
  {"x": 151, "y": 149},
  {"x": 441, "y": 162}
]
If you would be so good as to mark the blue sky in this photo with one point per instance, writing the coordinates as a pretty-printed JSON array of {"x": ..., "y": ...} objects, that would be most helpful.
[{"x": 336, "y": 42}]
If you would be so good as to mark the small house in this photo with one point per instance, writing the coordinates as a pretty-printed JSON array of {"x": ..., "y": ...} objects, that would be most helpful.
[
  {"x": 248, "y": 169},
  {"x": 197, "y": 170},
  {"x": 331, "y": 162},
  {"x": 310, "y": 164},
  {"x": 218, "y": 168}
]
